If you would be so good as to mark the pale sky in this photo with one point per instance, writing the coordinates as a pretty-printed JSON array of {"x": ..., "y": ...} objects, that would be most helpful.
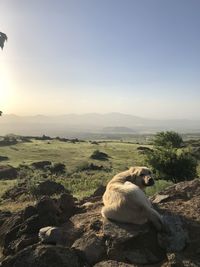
[{"x": 140, "y": 57}]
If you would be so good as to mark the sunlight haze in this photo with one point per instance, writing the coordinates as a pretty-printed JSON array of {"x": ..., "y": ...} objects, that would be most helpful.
[{"x": 138, "y": 57}]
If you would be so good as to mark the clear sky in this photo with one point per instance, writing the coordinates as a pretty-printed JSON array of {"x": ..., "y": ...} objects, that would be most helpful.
[{"x": 140, "y": 57}]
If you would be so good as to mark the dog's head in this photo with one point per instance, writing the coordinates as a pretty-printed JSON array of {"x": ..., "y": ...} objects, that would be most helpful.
[{"x": 141, "y": 176}]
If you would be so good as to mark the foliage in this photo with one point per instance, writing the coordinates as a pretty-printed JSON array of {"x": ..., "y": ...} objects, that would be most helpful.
[
  {"x": 173, "y": 164},
  {"x": 3, "y": 38},
  {"x": 168, "y": 139}
]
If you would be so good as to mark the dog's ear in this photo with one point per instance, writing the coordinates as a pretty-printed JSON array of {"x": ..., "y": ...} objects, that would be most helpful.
[
  {"x": 133, "y": 170},
  {"x": 132, "y": 177}
]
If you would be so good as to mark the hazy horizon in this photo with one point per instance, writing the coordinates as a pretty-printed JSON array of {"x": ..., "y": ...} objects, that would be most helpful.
[
  {"x": 133, "y": 57},
  {"x": 98, "y": 113}
]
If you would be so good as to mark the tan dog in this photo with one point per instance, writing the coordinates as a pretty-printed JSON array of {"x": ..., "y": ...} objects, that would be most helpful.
[{"x": 125, "y": 201}]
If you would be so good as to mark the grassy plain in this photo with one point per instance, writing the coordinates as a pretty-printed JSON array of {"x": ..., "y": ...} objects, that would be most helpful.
[{"x": 76, "y": 155}]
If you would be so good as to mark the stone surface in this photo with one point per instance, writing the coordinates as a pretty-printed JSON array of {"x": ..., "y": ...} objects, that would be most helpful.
[
  {"x": 97, "y": 242},
  {"x": 7, "y": 172},
  {"x": 49, "y": 188},
  {"x": 20, "y": 229},
  {"x": 91, "y": 246},
  {"x": 43, "y": 256},
  {"x": 133, "y": 243},
  {"x": 112, "y": 263}
]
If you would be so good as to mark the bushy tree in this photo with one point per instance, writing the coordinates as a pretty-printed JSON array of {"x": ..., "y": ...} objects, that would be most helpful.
[
  {"x": 169, "y": 161},
  {"x": 168, "y": 139},
  {"x": 172, "y": 164}
]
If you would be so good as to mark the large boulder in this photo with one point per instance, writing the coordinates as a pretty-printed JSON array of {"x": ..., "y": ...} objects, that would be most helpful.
[
  {"x": 182, "y": 201},
  {"x": 132, "y": 243},
  {"x": 103, "y": 239}
]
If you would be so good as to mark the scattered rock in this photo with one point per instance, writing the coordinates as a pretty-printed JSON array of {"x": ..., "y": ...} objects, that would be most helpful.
[
  {"x": 41, "y": 164},
  {"x": 97, "y": 242},
  {"x": 49, "y": 188},
  {"x": 22, "y": 228},
  {"x": 8, "y": 172}
]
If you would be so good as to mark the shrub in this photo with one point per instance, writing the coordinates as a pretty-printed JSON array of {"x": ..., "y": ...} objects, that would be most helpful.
[
  {"x": 168, "y": 139},
  {"x": 172, "y": 164}
]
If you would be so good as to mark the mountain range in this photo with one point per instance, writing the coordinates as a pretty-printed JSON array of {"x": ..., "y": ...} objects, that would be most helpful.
[{"x": 72, "y": 125}]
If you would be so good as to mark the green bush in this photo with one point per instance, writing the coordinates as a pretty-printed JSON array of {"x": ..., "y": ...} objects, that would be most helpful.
[
  {"x": 168, "y": 139},
  {"x": 172, "y": 164}
]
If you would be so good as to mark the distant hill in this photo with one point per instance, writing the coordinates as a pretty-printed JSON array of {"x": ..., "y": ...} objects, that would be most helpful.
[{"x": 72, "y": 125}]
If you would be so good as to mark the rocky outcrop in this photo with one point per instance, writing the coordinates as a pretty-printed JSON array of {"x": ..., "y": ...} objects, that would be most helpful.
[
  {"x": 83, "y": 238},
  {"x": 21, "y": 229},
  {"x": 43, "y": 256}
]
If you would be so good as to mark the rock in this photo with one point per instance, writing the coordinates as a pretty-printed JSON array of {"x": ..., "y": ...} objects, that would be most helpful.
[
  {"x": 21, "y": 229},
  {"x": 9, "y": 229},
  {"x": 49, "y": 188},
  {"x": 46, "y": 205},
  {"x": 51, "y": 235},
  {"x": 15, "y": 192},
  {"x": 29, "y": 211},
  {"x": 4, "y": 215},
  {"x": 25, "y": 241},
  {"x": 7, "y": 172},
  {"x": 43, "y": 256},
  {"x": 136, "y": 244},
  {"x": 67, "y": 204},
  {"x": 91, "y": 246},
  {"x": 175, "y": 238},
  {"x": 160, "y": 198},
  {"x": 41, "y": 164},
  {"x": 111, "y": 263},
  {"x": 99, "y": 191}
]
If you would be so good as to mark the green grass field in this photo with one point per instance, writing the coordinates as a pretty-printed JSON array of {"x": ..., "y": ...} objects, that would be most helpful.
[
  {"x": 72, "y": 155},
  {"x": 75, "y": 155}
]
